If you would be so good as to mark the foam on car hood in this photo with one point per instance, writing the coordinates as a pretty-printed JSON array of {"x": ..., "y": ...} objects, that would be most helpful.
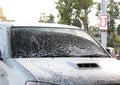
[{"x": 64, "y": 71}]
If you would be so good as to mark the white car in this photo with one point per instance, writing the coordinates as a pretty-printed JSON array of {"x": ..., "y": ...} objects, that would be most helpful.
[{"x": 52, "y": 54}]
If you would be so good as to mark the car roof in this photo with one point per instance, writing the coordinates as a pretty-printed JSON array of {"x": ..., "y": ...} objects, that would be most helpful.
[{"x": 12, "y": 24}]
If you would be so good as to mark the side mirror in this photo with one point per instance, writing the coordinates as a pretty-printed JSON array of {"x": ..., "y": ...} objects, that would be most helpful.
[
  {"x": 111, "y": 51},
  {"x": 1, "y": 56}
]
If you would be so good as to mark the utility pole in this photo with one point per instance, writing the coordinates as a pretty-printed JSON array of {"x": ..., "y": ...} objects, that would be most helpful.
[{"x": 103, "y": 24}]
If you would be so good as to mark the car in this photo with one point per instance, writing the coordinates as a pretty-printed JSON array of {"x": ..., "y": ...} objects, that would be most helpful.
[{"x": 53, "y": 54}]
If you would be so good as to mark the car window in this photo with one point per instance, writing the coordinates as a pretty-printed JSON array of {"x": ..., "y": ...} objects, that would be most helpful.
[{"x": 27, "y": 42}]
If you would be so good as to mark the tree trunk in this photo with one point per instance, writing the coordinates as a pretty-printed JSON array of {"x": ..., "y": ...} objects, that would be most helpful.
[{"x": 86, "y": 21}]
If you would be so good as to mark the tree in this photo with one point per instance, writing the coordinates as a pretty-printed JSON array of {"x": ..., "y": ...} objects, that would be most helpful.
[
  {"x": 82, "y": 9},
  {"x": 94, "y": 31},
  {"x": 50, "y": 19},
  {"x": 76, "y": 22},
  {"x": 46, "y": 18},
  {"x": 70, "y": 10},
  {"x": 65, "y": 11}
]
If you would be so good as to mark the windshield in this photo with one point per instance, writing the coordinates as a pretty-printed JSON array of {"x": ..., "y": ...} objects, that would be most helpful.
[{"x": 29, "y": 42}]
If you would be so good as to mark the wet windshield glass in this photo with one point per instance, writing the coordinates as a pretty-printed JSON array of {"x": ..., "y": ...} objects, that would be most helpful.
[{"x": 27, "y": 42}]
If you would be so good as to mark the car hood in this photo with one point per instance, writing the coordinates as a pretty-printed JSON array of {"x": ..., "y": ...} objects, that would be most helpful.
[{"x": 74, "y": 71}]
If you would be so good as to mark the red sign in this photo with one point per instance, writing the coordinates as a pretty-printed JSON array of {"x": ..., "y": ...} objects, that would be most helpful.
[{"x": 103, "y": 22}]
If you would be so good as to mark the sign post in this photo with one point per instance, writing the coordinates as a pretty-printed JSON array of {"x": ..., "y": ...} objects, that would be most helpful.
[{"x": 103, "y": 24}]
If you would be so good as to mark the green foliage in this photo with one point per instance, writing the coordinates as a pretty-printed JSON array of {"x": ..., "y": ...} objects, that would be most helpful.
[
  {"x": 114, "y": 10},
  {"x": 80, "y": 6},
  {"x": 45, "y": 18},
  {"x": 70, "y": 10},
  {"x": 65, "y": 11},
  {"x": 117, "y": 45},
  {"x": 98, "y": 8},
  {"x": 94, "y": 31},
  {"x": 117, "y": 39},
  {"x": 50, "y": 19},
  {"x": 76, "y": 22}
]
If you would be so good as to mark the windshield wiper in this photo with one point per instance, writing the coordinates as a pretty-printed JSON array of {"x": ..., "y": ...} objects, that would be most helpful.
[
  {"x": 94, "y": 55},
  {"x": 58, "y": 56},
  {"x": 65, "y": 56},
  {"x": 90, "y": 55}
]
